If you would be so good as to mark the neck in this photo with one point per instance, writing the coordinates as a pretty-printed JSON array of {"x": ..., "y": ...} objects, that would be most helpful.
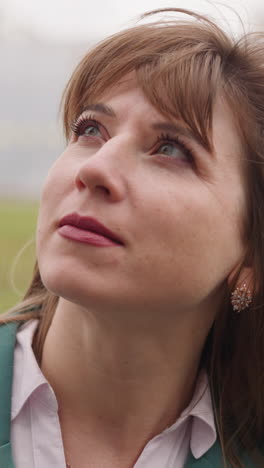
[{"x": 128, "y": 378}]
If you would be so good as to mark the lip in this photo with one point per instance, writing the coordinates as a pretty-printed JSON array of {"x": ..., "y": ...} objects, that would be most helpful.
[{"x": 88, "y": 230}]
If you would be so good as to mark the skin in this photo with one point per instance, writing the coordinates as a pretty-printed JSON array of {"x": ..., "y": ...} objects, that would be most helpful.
[{"x": 123, "y": 350}]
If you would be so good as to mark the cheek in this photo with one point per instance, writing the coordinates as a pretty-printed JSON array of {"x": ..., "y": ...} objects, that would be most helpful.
[
  {"x": 193, "y": 242},
  {"x": 52, "y": 194},
  {"x": 58, "y": 184}
]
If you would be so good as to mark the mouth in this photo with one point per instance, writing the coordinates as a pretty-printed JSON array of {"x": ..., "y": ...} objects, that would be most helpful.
[{"x": 88, "y": 230}]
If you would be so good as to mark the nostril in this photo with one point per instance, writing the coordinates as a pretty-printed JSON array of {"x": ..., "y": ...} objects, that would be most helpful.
[
  {"x": 104, "y": 189},
  {"x": 80, "y": 184},
  {"x": 100, "y": 181}
]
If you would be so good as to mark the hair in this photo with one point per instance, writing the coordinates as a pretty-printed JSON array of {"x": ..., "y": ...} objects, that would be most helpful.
[{"x": 182, "y": 66}]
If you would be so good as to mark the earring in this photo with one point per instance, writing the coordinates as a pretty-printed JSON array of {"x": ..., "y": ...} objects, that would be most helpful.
[{"x": 241, "y": 298}]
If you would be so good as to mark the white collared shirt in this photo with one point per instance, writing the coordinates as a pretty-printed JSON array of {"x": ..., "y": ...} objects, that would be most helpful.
[{"x": 35, "y": 428}]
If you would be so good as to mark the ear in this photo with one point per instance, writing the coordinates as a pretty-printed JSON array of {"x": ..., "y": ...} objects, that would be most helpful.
[{"x": 241, "y": 276}]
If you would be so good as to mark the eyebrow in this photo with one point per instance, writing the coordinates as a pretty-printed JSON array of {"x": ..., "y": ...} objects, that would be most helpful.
[
  {"x": 100, "y": 107},
  {"x": 165, "y": 126},
  {"x": 174, "y": 128}
]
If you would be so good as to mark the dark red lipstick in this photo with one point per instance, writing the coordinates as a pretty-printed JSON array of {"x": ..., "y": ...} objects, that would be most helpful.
[{"x": 88, "y": 230}]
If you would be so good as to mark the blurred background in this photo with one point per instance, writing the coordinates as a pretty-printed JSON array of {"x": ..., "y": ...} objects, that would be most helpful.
[{"x": 40, "y": 44}]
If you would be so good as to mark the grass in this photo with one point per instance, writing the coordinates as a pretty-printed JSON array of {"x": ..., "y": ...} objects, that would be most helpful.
[{"x": 18, "y": 224}]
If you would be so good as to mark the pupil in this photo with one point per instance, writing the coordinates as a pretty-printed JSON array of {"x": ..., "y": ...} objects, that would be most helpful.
[
  {"x": 91, "y": 130},
  {"x": 166, "y": 148}
]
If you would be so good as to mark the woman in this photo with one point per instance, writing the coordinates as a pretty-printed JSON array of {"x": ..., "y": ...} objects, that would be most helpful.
[{"x": 145, "y": 309}]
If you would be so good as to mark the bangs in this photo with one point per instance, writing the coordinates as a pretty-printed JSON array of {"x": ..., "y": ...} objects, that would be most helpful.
[
  {"x": 183, "y": 90},
  {"x": 178, "y": 66}
]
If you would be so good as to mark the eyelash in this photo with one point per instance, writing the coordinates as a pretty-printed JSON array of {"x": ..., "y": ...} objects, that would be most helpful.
[
  {"x": 176, "y": 140},
  {"x": 80, "y": 123}
]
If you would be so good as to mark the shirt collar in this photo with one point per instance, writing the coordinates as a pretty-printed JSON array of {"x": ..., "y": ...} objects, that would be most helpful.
[
  {"x": 27, "y": 378},
  {"x": 201, "y": 416}
]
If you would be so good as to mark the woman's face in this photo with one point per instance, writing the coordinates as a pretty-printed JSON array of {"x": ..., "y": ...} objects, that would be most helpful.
[{"x": 176, "y": 208}]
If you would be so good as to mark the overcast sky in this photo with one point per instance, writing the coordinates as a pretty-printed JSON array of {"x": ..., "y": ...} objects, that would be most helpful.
[{"x": 79, "y": 19}]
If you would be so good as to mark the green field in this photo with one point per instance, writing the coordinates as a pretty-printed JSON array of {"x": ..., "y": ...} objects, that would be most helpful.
[{"x": 17, "y": 228}]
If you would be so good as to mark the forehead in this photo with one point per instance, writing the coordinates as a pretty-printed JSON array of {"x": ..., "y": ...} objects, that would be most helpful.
[
  {"x": 225, "y": 130},
  {"x": 123, "y": 93},
  {"x": 126, "y": 97},
  {"x": 125, "y": 84}
]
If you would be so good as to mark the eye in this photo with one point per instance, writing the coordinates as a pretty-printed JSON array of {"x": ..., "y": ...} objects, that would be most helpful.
[
  {"x": 174, "y": 148},
  {"x": 92, "y": 130},
  {"x": 170, "y": 149},
  {"x": 87, "y": 126}
]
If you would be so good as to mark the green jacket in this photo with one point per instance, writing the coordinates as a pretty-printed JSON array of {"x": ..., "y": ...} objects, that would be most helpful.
[{"x": 212, "y": 458}]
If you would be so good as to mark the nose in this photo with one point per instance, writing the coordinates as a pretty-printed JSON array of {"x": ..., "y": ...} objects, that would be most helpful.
[{"x": 105, "y": 172}]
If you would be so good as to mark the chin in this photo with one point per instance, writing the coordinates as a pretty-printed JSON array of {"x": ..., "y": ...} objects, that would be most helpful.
[
  {"x": 57, "y": 277},
  {"x": 65, "y": 284}
]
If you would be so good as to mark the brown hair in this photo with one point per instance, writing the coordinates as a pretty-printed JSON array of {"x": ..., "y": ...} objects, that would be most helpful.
[{"x": 182, "y": 65}]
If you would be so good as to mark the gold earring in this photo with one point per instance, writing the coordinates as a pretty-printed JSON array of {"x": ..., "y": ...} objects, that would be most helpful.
[{"x": 241, "y": 298}]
